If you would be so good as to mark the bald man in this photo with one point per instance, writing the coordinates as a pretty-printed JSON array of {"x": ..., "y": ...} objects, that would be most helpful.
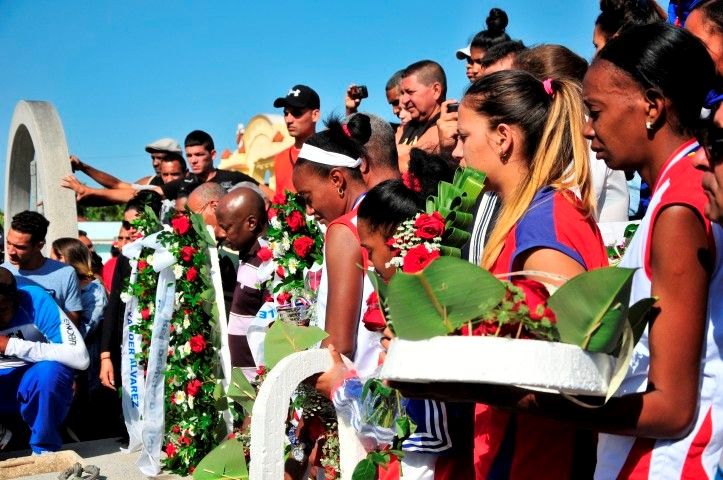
[
  {"x": 241, "y": 214},
  {"x": 204, "y": 200}
]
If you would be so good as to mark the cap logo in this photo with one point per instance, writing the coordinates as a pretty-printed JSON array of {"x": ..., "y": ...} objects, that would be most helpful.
[{"x": 294, "y": 93}]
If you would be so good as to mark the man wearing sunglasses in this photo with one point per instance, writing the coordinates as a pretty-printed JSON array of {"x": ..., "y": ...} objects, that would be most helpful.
[
  {"x": 301, "y": 112},
  {"x": 710, "y": 159}
]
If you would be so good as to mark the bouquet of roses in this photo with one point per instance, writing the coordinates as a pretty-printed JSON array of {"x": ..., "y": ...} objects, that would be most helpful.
[{"x": 295, "y": 246}]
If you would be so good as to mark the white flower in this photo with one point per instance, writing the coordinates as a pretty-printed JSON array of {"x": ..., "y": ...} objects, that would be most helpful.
[
  {"x": 125, "y": 297},
  {"x": 190, "y": 374},
  {"x": 278, "y": 249},
  {"x": 177, "y": 271},
  {"x": 167, "y": 228},
  {"x": 177, "y": 302},
  {"x": 185, "y": 349},
  {"x": 190, "y": 432},
  {"x": 293, "y": 266},
  {"x": 286, "y": 242},
  {"x": 276, "y": 223},
  {"x": 186, "y": 322},
  {"x": 149, "y": 259},
  {"x": 190, "y": 403},
  {"x": 179, "y": 397}
]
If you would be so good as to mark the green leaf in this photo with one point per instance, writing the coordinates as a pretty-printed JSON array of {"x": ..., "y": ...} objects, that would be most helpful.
[
  {"x": 241, "y": 391},
  {"x": 638, "y": 316},
  {"x": 437, "y": 300},
  {"x": 402, "y": 427},
  {"x": 380, "y": 286},
  {"x": 459, "y": 219},
  {"x": 199, "y": 226},
  {"x": 379, "y": 458},
  {"x": 595, "y": 324},
  {"x": 622, "y": 362},
  {"x": 365, "y": 470},
  {"x": 455, "y": 237},
  {"x": 226, "y": 461},
  {"x": 450, "y": 251},
  {"x": 283, "y": 339}
]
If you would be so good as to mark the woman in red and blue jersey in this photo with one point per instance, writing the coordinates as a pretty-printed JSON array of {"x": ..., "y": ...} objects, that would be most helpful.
[{"x": 526, "y": 135}]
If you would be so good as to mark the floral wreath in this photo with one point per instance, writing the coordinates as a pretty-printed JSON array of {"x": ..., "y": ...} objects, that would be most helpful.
[{"x": 193, "y": 422}]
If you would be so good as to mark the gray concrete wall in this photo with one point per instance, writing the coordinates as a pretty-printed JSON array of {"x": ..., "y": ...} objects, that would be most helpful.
[{"x": 36, "y": 132}]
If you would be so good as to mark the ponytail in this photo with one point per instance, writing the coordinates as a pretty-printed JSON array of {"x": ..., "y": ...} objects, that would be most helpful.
[{"x": 553, "y": 139}]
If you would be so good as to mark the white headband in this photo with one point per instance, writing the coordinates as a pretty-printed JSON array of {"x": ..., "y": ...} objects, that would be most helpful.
[{"x": 318, "y": 155}]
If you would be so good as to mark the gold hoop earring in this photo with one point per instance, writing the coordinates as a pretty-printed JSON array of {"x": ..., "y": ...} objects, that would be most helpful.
[{"x": 340, "y": 191}]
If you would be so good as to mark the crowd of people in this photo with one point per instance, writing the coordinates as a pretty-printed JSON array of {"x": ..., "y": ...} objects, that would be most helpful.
[{"x": 565, "y": 145}]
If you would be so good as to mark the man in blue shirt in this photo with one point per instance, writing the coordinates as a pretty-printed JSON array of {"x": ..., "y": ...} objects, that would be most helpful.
[
  {"x": 39, "y": 348},
  {"x": 25, "y": 241}
]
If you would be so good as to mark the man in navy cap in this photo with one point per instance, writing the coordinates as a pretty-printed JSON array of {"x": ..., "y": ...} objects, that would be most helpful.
[{"x": 301, "y": 112}]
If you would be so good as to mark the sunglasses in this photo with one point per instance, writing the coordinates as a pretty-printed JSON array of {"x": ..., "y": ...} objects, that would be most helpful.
[
  {"x": 126, "y": 224},
  {"x": 711, "y": 139},
  {"x": 121, "y": 239}
]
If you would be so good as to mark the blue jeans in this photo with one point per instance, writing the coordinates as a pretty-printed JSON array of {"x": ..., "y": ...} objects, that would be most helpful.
[{"x": 41, "y": 393}]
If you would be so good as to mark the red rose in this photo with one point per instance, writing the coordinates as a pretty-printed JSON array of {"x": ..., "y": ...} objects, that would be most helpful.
[
  {"x": 417, "y": 259},
  {"x": 303, "y": 246},
  {"x": 145, "y": 314},
  {"x": 192, "y": 274},
  {"x": 429, "y": 226},
  {"x": 142, "y": 264},
  {"x": 280, "y": 271},
  {"x": 329, "y": 472},
  {"x": 193, "y": 387},
  {"x": 295, "y": 221},
  {"x": 260, "y": 370},
  {"x": 283, "y": 298},
  {"x": 279, "y": 199},
  {"x": 264, "y": 254},
  {"x": 198, "y": 344},
  {"x": 171, "y": 450},
  {"x": 268, "y": 297},
  {"x": 181, "y": 224},
  {"x": 187, "y": 253},
  {"x": 176, "y": 429},
  {"x": 536, "y": 294},
  {"x": 271, "y": 212},
  {"x": 373, "y": 320},
  {"x": 184, "y": 440}
]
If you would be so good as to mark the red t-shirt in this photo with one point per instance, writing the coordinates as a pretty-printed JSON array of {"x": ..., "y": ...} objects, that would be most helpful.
[
  {"x": 283, "y": 167},
  {"x": 519, "y": 446}
]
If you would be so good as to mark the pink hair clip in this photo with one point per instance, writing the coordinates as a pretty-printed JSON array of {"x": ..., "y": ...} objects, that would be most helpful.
[
  {"x": 548, "y": 87},
  {"x": 345, "y": 128}
]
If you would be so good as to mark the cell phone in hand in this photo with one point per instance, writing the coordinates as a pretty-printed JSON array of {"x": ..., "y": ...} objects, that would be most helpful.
[
  {"x": 359, "y": 91},
  {"x": 453, "y": 107}
]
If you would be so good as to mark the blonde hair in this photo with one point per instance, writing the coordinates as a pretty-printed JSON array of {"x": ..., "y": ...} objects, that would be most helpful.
[
  {"x": 76, "y": 255},
  {"x": 552, "y": 125}
]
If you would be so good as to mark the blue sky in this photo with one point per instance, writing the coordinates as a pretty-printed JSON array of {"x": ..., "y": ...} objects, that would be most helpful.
[{"x": 122, "y": 74}]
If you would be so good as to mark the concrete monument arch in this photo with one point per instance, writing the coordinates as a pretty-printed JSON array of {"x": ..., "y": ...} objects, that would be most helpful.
[{"x": 37, "y": 159}]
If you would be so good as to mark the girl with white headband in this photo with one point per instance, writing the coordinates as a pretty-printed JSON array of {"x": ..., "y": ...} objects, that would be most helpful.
[{"x": 327, "y": 176}]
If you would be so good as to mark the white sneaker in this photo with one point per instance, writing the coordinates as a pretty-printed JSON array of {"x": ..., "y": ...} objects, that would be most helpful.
[{"x": 5, "y": 436}]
